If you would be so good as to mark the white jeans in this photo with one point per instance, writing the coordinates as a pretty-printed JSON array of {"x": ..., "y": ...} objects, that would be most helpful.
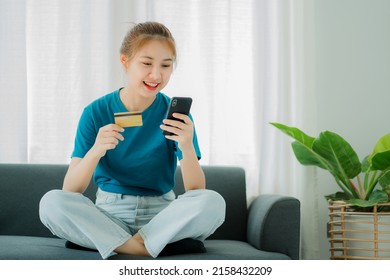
[{"x": 115, "y": 218}]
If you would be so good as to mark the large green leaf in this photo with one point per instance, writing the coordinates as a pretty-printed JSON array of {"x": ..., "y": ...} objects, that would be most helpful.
[
  {"x": 380, "y": 156},
  {"x": 306, "y": 156},
  {"x": 338, "y": 153},
  {"x": 382, "y": 145},
  {"x": 375, "y": 198},
  {"x": 295, "y": 133},
  {"x": 384, "y": 180},
  {"x": 380, "y": 161},
  {"x": 378, "y": 196},
  {"x": 302, "y": 147},
  {"x": 366, "y": 165},
  {"x": 338, "y": 196}
]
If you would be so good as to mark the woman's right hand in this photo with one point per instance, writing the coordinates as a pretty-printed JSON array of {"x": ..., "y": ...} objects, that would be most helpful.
[
  {"x": 107, "y": 138},
  {"x": 80, "y": 170}
]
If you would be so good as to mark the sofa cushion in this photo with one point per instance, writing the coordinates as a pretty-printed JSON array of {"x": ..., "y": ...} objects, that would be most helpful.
[
  {"x": 40, "y": 248},
  {"x": 44, "y": 248},
  {"x": 237, "y": 250}
]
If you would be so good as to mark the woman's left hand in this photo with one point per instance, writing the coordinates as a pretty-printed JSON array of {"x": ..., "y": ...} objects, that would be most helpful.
[
  {"x": 193, "y": 176},
  {"x": 183, "y": 131}
]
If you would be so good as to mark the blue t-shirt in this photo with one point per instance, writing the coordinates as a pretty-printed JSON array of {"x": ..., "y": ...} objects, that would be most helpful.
[{"x": 145, "y": 162}]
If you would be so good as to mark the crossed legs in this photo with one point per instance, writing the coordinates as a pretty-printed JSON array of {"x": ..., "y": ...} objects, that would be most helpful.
[{"x": 195, "y": 214}]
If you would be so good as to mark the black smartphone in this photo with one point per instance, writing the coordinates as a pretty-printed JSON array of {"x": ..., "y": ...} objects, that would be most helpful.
[{"x": 180, "y": 105}]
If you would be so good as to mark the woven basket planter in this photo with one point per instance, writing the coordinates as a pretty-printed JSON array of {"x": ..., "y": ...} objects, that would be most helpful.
[{"x": 357, "y": 235}]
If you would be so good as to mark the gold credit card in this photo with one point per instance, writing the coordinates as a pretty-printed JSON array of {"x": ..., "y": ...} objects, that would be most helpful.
[{"x": 128, "y": 119}]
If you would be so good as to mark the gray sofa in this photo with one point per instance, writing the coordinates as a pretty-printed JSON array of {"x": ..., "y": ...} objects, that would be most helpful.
[{"x": 268, "y": 229}]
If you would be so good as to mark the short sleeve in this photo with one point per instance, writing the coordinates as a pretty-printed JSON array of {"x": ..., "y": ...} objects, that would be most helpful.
[{"x": 85, "y": 135}]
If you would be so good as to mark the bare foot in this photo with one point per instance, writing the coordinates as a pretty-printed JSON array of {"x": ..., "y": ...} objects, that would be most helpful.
[{"x": 133, "y": 246}]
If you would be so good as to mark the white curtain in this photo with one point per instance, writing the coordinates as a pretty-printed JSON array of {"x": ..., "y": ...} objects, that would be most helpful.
[
  {"x": 242, "y": 61},
  {"x": 283, "y": 93},
  {"x": 13, "y": 82}
]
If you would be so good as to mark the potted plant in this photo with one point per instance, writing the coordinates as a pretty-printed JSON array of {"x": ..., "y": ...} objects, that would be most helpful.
[{"x": 364, "y": 187}]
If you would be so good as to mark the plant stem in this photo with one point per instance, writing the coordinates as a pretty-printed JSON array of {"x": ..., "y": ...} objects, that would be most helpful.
[
  {"x": 345, "y": 189},
  {"x": 373, "y": 182},
  {"x": 352, "y": 189},
  {"x": 366, "y": 176},
  {"x": 362, "y": 193},
  {"x": 345, "y": 184}
]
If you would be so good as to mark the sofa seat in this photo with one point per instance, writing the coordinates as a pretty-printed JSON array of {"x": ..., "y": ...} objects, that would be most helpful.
[
  {"x": 43, "y": 248},
  {"x": 40, "y": 248}
]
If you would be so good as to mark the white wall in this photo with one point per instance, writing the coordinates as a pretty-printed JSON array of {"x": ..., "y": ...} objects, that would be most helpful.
[{"x": 351, "y": 61}]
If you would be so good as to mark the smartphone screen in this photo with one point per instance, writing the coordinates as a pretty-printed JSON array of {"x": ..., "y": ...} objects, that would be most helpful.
[{"x": 180, "y": 105}]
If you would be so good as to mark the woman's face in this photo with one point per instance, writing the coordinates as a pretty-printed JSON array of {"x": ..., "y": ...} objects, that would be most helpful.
[{"x": 149, "y": 70}]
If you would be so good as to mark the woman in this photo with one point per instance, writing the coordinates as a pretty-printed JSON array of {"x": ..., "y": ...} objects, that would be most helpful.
[{"x": 136, "y": 211}]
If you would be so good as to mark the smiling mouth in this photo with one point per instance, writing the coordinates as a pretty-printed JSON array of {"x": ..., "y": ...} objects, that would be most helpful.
[{"x": 151, "y": 85}]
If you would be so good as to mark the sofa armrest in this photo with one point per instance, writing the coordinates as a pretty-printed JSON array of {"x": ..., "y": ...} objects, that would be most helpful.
[{"x": 274, "y": 224}]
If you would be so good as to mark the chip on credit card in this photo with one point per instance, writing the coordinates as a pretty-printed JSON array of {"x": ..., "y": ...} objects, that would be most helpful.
[{"x": 128, "y": 119}]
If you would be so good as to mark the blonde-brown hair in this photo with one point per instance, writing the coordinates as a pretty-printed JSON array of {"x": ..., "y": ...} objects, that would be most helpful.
[{"x": 142, "y": 33}]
